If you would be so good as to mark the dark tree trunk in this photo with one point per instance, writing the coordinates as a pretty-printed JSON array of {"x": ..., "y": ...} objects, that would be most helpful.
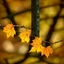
[{"x": 35, "y": 18}]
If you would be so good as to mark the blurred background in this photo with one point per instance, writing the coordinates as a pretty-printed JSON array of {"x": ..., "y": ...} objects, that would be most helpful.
[{"x": 18, "y": 12}]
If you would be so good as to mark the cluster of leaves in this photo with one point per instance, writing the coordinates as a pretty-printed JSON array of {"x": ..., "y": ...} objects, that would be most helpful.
[
  {"x": 25, "y": 37},
  {"x": 37, "y": 47}
]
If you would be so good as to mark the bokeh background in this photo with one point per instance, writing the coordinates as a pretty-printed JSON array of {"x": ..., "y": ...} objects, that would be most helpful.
[{"x": 18, "y": 12}]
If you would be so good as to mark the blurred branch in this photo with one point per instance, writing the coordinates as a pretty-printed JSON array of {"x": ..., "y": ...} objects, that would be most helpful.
[
  {"x": 60, "y": 3},
  {"x": 40, "y": 19},
  {"x": 27, "y": 10},
  {"x": 51, "y": 18},
  {"x": 51, "y": 30},
  {"x": 10, "y": 15},
  {"x": 19, "y": 26},
  {"x": 53, "y": 25},
  {"x": 57, "y": 42},
  {"x": 57, "y": 30},
  {"x": 52, "y": 42},
  {"x": 6, "y": 61}
]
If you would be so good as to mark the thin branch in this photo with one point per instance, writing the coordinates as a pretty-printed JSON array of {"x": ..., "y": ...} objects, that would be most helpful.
[
  {"x": 41, "y": 18},
  {"x": 51, "y": 18},
  {"x": 60, "y": 3},
  {"x": 52, "y": 42},
  {"x": 57, "y": 42},
  {"x": 19, "y": 26}
]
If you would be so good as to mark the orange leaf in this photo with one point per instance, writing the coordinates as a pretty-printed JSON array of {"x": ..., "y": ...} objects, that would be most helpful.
[
  {"x": 25, "y": 35},
  {"x": 36, "y": 49},
  {"x": 47, "y": 51},
  {"x": 37, "y": 41},
  {"x": 43, "y": 51},
  {"x": 50, "y": 49},
  {"x": 36, "y": 45},
  {"x": 9, "y": 30}
]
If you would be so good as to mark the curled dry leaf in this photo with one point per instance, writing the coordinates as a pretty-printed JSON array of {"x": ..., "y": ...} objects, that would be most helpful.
[
  {"x": 47, "y": 51},
  {"x": 9, "y": 30},
  {"x": 25, "y": 35}
]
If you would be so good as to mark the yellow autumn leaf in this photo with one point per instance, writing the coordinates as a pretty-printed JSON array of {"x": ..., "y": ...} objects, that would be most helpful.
[
  {"x": 9, "y": 30},
  {"x": 47, "y": 51},
  {"x": 25, "y": 35},
  {"x": 36, "y": 49},
  {"x": 36, "y": 45},
  {"x": 37, "y": 41}
]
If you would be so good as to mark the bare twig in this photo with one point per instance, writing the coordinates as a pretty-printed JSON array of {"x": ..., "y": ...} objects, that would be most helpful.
[{"x": 52, "y": 42}]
